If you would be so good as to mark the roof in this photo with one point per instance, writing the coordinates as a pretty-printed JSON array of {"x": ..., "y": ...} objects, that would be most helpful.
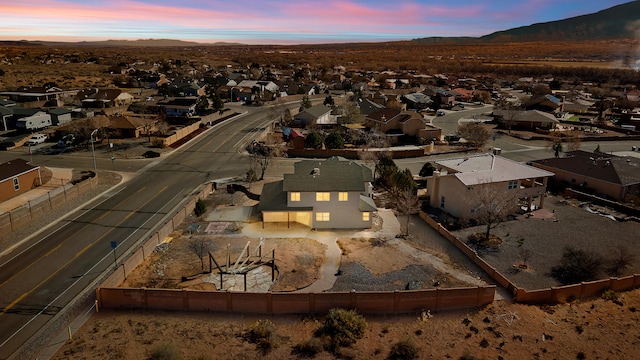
[
  {"x": 534, "y": 116},
  {"x": 318, "y": 110},
  {"x": 15, "y": 168},
  {"x": 383, "y": 115},
  {"x": 489, "y": 168},
  {"x": 333, "y": 174},
  {"x": 59, "y": 111},
  {"x": 614, "y": 169},
  {"x": 188, "y": 101},
  {"x": 418, "y": 98},
  {"x": 273, "y": 198}
]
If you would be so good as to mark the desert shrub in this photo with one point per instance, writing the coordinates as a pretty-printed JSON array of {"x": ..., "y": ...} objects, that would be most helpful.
[
  {"x": 404, "y": 350},
  {"x": 308, "y": 349},
  {"x": 164, "y": 351},
  {"x": 577, "y": 265},
  {"x": 620, "y": 260},
  {"x": 263, "y": 334},
  {"x": 157, "y": 143},
  {"x": 342, "y": 327},
  {"x": 200, "y": 208}
]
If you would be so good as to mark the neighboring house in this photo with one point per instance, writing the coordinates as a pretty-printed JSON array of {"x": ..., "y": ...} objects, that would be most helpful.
[
  {"x": 129, "y": 126},
  {"x": 454, "y": 187},
  {"x": 16, "y": 177},
  {"x": 446, "y": 97},
  {"x": 5, "y": 118},
  {"x": 179, "y": 107},
  {"x": 395, "y": 123},
  {"x": 367, "y": 106},
  {"x": 315, "y": 115},
  {"x": 547, "y": 103},
  {"x": 463, "y": 94},
  {"x": 417, "y": 100},
  {"x": 525, "y": 119},
  {"x": 266, "y": 90},
  {"x": 104, "y": 98},
  {"x": 38, "y": 95},
  {"x": 191, "y": 88},
  {"x": 59, "y": 116},
  {"x": 612, "y": 176},
  {"x": 330, "y": 194}
]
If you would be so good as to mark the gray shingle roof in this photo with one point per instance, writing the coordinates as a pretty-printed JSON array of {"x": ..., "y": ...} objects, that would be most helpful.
[{"x": 333, "y": 174}]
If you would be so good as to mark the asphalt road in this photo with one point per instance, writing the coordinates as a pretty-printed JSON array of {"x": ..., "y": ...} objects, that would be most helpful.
[{"x": 45, "y": 273}]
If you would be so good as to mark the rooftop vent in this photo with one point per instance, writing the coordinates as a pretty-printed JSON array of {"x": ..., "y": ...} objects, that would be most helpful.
[{"x": 315, "y": 171}]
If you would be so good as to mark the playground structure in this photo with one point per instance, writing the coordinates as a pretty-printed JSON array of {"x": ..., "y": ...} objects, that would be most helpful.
[{"x": 245, "y": 264}]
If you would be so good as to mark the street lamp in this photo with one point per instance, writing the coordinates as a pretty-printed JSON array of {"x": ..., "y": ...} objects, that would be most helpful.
[{"x": 93, "y": 151}]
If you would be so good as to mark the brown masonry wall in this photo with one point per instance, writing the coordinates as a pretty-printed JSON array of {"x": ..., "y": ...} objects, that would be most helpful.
[
  {"x": 382, "y": 302},
  {"x": 544, "y": 296}
]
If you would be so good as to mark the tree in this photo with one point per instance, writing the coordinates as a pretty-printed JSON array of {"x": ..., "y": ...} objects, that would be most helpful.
[
  {"x": 475, "y": 134},
  {"x": 407, "y": 203},
  {"x": 386, "y": 168},
  {"x": 305, "y": 103},
  {"x": 491, "y": 204},
  {"x": 334, "y": 141},
  {"x": 313, "y": 140},
  {"x": 350, "y": 114},
  {"x": 328, "y": 101},
  {"x": 264, "y": 153},
  {"x": 403, "y": 181},
  {"x": 280, "y": 112},
  {"x": 200, "y": 247},
  {"x": 577, "y": 265},
  {"x": 200, "y": 208},
  {"x": 427, "y": 169}
]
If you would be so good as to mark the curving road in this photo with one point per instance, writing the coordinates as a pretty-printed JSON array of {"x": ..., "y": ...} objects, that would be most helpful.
[{"x": 45, "y": 273}]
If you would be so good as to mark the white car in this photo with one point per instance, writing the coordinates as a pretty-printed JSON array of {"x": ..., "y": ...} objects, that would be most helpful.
[{"x": 36, "y": 139}]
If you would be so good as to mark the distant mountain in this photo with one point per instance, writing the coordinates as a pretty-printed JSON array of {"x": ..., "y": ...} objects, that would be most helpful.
[
  {"x": 618, "y": 22},
  {"x": 117, "y": 43}
]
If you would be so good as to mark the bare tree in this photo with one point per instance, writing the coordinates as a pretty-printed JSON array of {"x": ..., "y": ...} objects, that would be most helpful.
[
  {"x": 407, "y": 203},
  {"x": 264, "y": 153},
  {"x": 280, "y": 112},
  {"x": 350, "y": 113},
  {"x": 475, "y": 134},
  {"x": 200, "y": 247},
  {"x": 491, "y": 204}
]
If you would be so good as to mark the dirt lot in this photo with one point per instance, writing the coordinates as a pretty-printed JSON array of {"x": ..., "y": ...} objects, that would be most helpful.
[
  {"x": 599, "y": 329},
  {"x": 545, "y": 238}
]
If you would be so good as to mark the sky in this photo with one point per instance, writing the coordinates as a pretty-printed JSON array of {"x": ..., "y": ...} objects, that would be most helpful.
[{"x": 277, "y": 21}]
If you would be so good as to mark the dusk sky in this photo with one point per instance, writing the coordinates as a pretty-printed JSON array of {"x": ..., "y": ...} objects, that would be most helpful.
[{"x": 276, "y": 21}]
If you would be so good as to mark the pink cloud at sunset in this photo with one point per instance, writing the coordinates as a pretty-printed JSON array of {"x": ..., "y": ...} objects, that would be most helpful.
[{"x": 274, "y": 21}]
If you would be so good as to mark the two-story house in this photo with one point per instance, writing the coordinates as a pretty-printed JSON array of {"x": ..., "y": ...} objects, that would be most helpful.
[
  {"x": 329, "y": 194},
  {"x": 453, "y": 186},
  {"x": 396, "y": 123}
]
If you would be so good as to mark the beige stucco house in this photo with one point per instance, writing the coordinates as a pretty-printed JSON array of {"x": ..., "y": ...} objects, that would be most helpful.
[
  {"x": 454, "y": 187},
  {"x": 329, "y": 194},
  {"x": 395, "y": 123}
]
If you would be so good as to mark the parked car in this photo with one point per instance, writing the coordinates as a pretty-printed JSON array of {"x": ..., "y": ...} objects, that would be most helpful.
[
  {"x": 36, "y": 139},
  {"x": 440, "y": 113}
]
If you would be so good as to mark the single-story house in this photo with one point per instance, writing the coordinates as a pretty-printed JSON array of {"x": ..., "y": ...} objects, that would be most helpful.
[
  {"x": 611, "y": 176},
  {"x": 59, "y": 116},
  {"x": 316, "y": 115},
  {"x": 180, "y": 106},
  {"x": 329, "y": 194},
  {"x": 525, "y": 119},
  {"x": 17, "y": 176},
  {"x": 456, "y": 184}
]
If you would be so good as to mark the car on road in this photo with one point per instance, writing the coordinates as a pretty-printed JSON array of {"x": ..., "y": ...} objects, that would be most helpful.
[
  {"x": 36, "y": 139},
  {"x": 440, "y": 113}
]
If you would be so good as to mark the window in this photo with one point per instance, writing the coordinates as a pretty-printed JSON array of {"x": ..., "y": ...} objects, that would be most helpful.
[
  {"x": 323, "y": 216},
  {"x": 16, "y": 184},
  {"x": 442, "y": 201},
  {"x": 343, "y": 196},
  {"x": 513, "y": 184},
  {"x": 366, "y": 216},
  {"x": 295, "y": 196},
  {"x": 323, "y": 196}
]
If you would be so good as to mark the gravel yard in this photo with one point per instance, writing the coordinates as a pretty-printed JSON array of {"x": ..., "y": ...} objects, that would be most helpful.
[{"x": 545, "y": 240}]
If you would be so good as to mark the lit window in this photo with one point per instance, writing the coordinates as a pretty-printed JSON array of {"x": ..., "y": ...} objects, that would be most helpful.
[
  {"x": 365, "y": 216},
  {"x": 343, "y": 196},
  {"x": 16, "y": 184},
  {"x": 322, "y": 216},
  {"x": 295, "y": 196},
  {"x": 513, "y": 184},
  {"x": 323, "y": 196}
]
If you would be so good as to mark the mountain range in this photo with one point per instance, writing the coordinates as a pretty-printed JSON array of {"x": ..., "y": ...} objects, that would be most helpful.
[{"x": 615, "y": 23}]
